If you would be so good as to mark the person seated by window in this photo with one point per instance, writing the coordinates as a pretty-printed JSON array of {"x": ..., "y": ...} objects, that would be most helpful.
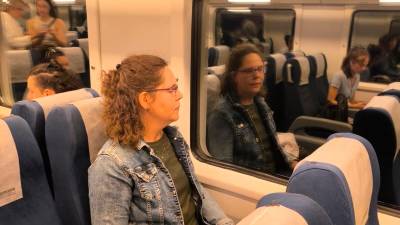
[
  {"x": 143, "y": 174},
  {"x": 345, "y": 82},
  {"x": 46, "y": 28},
  {"x": 12, "y": 30},
  {"x": 383, "y": 58},
  {"x": 49, "y": 79},
  {"x": 241, "y": 129}
]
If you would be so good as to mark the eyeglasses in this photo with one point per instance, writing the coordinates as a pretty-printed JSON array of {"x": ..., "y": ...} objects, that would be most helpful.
[
  {"x": 172, "y": 90},
  {"x": 251, "y": 70}
]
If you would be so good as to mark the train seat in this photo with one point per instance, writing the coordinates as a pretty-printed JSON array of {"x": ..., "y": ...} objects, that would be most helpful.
[
  {"x": 218, "y": 55},
  {"x": 25, "y": 195},
  {"x": 20, "y": 63},
  {"x": 35, "y": 114},
  {"x": 287, "y": 208},
  {"x": 299, "y": 98},
  {"x": 84, "y": 44},
  {"x": 273, "y": 83},
  {"x": 213, "y": 91},
  {"x": 217, "y": 70},
  {"x": 342, "y": 176},
  {"x": 74, "y": 135},
  {"x": 294, "y": 54},
  {"x": 379, "y": 122},
  {"x": 318, "y": 67}
]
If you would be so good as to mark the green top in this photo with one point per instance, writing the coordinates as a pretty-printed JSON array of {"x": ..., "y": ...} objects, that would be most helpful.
[
  {"x": 263, "y": 138},
  {"x": 164, "y": 150}
]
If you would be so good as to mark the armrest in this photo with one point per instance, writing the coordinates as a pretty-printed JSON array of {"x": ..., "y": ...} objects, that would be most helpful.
[{"x": 306, "y": 123}]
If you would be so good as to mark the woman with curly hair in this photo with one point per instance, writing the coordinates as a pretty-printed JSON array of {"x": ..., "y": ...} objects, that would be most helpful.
[{"x": 143, "y": 174}]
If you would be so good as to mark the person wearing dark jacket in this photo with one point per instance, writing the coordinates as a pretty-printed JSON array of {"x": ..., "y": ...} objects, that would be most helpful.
[{"x": 241, "y": 129}]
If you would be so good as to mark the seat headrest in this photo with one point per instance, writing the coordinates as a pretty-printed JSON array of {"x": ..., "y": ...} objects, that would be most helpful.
[
  {"x": 342, "y": 166},
  {"x": 84, "y": 44},
  {"x": 50, "y": 101},
  {"x": 20, "y": 63},
  {"x": 76, "y": 58},
  {"x": 280, "y": 215},
  {"x": 391, "y": 106},
  {"x": 299, "y": 71},
  {"x": 303, "y": 205},
  {"x": 10, "y": 177},
  {"x": 91, "y": 113},
  {"x": 320, "y": 63},
  {"x": 275, "y": 64},
  {"x": 223, "y": 54},
  {"x": 394, "y": 85}
]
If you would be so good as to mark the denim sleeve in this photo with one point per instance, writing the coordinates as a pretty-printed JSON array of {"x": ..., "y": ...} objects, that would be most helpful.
[
  {"x": 110, "y": 193},
  {"x": 212, "y": 212},
  {"x": 220, "y": 137}
]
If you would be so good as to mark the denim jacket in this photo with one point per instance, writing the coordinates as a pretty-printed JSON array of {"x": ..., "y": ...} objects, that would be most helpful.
[
  {"x": 231, "y": 136},
  {"x": 132, "y": 186}
]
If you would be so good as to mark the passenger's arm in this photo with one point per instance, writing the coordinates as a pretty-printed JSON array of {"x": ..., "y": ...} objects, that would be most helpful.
[
  {"x": 58, "y": 33},
  {"x": 110, "y": 193},
  {"x": 332, "y": 94},
  {"x": 212, "y": 211},
  {"x": 355, "y": 104},
  {"x": 220, "y": 137},
  {"x": 36, "y": 36}
]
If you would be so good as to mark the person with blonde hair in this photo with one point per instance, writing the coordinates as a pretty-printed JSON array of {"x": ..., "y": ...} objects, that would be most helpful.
[
  {"x": 143, "y": 174},
  {"x": 12, "y": 30}
]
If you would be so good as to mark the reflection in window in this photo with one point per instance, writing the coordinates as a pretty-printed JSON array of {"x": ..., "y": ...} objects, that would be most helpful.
[
  {"x": 248, "y": 143},
  {"x": 41, "y": 31},
  {"x": 378, "y": 32}
]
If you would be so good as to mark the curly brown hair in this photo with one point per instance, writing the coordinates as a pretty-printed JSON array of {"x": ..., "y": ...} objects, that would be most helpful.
[{"x": 121, "y": 88}]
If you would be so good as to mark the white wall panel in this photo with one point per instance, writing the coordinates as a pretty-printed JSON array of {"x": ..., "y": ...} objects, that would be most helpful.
[
  {"x": 159, "y": 27},
  {"x": 324, "y": 29}
]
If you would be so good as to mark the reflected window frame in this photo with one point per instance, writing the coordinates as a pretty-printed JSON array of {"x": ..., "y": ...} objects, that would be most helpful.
[{"x": 198, "y": 61}]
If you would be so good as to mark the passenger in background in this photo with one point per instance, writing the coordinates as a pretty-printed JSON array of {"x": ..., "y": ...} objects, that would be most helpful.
[
  {"x": 344, "y": 83},
  {"x": 12, "y": 30},
  {"x": 383, "y": 58},
  {"x": 54, "y": 55},
  {"x": 46, "y": 28},
  {"x": 49, "y": 79},
  {"x": 144, "y": 174},
  {"x": 241, "y": 129}
]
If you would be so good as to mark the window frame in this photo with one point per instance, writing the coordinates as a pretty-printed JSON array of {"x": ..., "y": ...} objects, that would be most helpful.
[{"x": 197, "y": 46}]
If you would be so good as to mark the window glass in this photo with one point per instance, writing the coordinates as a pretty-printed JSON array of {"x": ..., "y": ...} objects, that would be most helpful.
[
  {"x": 41, "y": 31},
  {"x": 378, "y": 31},
  {"x": 251, "y": 144}
]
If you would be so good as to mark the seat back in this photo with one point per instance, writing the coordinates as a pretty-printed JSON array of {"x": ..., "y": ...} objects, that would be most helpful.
[
  {"x": 213, "y": 91},
  {"x": 35, "y": 113},
  {"x": 274, "y": 85},
  {"x": 218, "y": 55},
  {"x": 287, "y": 208},
  {"x": 318, "y": 72},
  {"x": 25, "y": 195},
  {"x": 299, "y": 98},
  {"x": 20, "y": 63},
  {"x": 343, "y": 177},
  {"x": 379, "y": 122},
  {"x": 294, "y": 54},
  {"x": 74, "y": 135}
]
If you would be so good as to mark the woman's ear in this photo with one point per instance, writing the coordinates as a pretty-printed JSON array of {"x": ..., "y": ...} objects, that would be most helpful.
[
  {"x": 145, "y": 100},
  {"x": 48, "y": 91}
]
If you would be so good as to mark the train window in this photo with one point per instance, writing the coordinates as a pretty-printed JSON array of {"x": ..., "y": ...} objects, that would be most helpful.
[
  {"x": 378, "y": 31},
  {"x": 39, "y": 31},
  {"x": 247, "y": 142}
]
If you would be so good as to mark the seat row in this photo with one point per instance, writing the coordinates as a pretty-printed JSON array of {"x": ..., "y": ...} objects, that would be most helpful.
[
  {"x": 54, "y": 139},
  {"x": 327, "y": 188}
]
